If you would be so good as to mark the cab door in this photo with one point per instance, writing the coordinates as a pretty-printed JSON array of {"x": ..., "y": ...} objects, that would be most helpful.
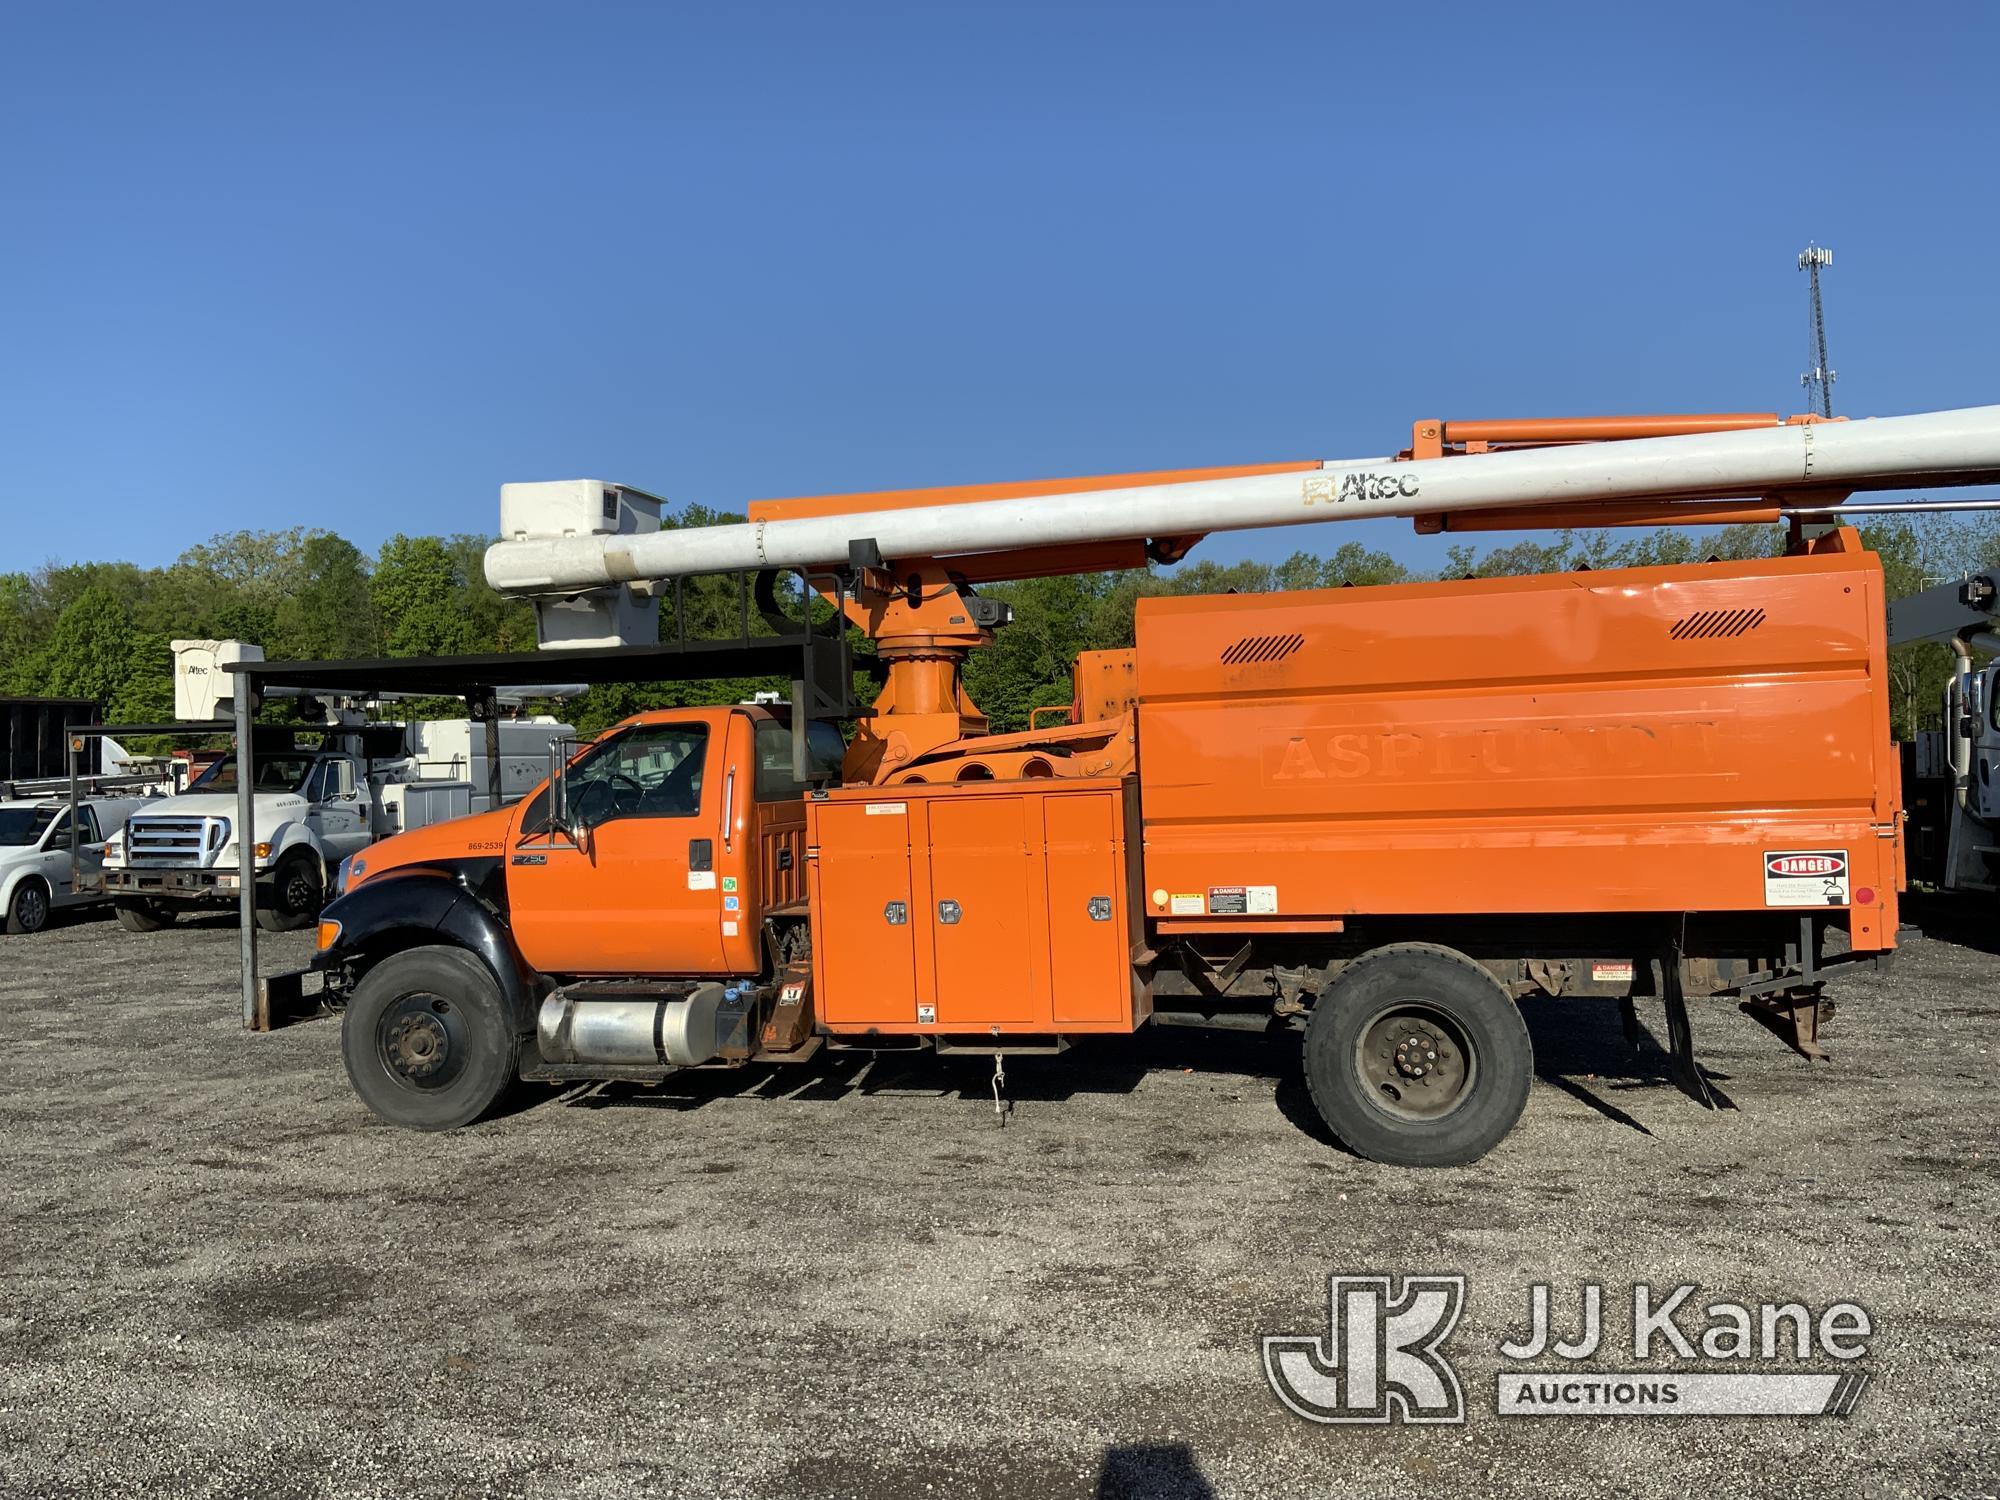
[
  {"x": 1983, "y": 759},
  {"x": 55, "y": 859},
  {"x": 634, "y": 890},
  {"x": 335, "y": 810}
]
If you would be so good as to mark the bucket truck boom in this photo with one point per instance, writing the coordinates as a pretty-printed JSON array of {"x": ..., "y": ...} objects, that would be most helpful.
[{"x": 1799, "y": 460}]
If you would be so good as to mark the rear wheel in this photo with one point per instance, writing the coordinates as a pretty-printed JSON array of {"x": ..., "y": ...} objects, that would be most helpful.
[
  {"x": 1418, "y": 1057},
  {"x": 297, "y": 893},
  {"x": 429, "y": 1040},
  {"x": 28, "y": 909},
  {"x": 143, "y": 916}
]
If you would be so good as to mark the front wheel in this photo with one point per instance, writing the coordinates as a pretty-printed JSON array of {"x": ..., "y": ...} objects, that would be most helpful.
[
  {"x": 144, "y": 916},
  {"x": 1416, "y": 1056},
  {"x": 28, "y": 909},
  {"x": 429, "y": 1040},
  {"x": 297, "y": 894}
]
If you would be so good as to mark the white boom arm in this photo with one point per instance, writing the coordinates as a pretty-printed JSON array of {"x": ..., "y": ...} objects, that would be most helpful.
[{"x": 1942, "y": 448}]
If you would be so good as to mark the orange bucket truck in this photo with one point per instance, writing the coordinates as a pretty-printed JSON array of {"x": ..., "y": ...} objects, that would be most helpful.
[{"x": 1370, "y": 820}]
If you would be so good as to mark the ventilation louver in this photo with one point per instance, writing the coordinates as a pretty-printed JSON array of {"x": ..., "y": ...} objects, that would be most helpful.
[
  {"x": 1712, "y": 624},
  {"x": 1261, "y": 648}
]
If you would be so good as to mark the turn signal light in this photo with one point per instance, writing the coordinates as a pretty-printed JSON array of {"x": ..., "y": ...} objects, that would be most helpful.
[
  {"x": 263, "y": 851},
  {"x": 329, "y": 934}
]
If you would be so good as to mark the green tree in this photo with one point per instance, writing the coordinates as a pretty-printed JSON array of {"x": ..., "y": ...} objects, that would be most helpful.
[
  {"x": 415, "y": 590},
  {"x": 94, "y": 649},
  {"x": 328, "y": 612},
  {"x": 20, "y": 639}
]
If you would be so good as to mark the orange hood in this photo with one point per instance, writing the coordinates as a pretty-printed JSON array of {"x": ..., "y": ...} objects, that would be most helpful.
[{"x": 476, "y": 836}]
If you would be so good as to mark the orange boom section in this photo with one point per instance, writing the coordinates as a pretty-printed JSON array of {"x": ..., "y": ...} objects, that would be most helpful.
[{"x": 1699, "y": 738}]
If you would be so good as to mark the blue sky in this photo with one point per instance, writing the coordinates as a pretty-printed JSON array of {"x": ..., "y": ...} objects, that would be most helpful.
[{"x": 357, "y": 265}]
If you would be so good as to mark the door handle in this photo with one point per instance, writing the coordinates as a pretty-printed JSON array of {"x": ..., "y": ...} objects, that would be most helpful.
[
  {"x": 949, "y": 912},
  {"x": 701, "y": 854}
]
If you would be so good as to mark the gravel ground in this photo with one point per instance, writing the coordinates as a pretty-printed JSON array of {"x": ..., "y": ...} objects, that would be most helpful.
[{"x": 221, "y": 1277}]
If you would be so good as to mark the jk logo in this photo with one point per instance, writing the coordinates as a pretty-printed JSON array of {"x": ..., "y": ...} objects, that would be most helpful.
[{"x": 1380, "y": 1360}]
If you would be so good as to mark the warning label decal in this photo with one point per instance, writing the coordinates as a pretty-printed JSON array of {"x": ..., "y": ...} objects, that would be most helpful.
[
  {"x": 1805, "y": 877},
  {"x": 1242, "y": 900}
]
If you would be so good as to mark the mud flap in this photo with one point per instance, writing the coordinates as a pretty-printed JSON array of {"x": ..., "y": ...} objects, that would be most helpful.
[{"x": 788, "y": 1025}]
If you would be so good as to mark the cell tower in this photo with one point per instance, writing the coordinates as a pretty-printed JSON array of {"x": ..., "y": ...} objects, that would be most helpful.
[{"x": 1818, "y": 381}]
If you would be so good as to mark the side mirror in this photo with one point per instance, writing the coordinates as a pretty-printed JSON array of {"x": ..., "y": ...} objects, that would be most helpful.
[{"x": 559, "y": 753}]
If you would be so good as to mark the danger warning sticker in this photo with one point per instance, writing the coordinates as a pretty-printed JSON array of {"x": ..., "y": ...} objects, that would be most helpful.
[
  {"x": 1805, "y": 877},
  {"x": 1242, "y": 900}
]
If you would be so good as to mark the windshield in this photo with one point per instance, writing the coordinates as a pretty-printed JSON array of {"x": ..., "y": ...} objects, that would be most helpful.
[
  {"x": 24, "y": 825},
  {"x": 275, "y": 773}
]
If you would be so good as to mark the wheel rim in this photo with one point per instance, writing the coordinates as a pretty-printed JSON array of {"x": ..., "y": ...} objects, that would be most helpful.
[
  {"x": 300, "y": 889},
  {"x": 422, "y": 1042},
  {"x": 31, "y": 907},
  {"x": 1414, "y": 1062}
]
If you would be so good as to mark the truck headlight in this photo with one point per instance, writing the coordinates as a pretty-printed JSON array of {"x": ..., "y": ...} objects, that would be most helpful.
[{"x": 114, "y": 847}]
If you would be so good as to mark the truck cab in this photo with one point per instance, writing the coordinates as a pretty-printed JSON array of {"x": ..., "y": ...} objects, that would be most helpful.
[
  {"x": 659, "y": 847},
  {"x": 641, "y": 894},
  {"x": 1954, "y": 774},
  {"x": 680, "y": 829}
]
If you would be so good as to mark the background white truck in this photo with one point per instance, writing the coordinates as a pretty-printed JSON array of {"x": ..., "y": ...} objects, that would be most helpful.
[
  {"x": 1952, "y": 774},
  {"x": 314, "y": 803},
  {"x": 46, "y": 862}
]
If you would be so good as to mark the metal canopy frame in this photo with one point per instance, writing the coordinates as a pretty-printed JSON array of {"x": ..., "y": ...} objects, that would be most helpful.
[{"x": 818, "y": 663}]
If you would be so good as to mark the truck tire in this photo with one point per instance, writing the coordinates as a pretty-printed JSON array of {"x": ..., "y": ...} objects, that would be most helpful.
[
  {"x": 28, "y": 907},
  {"x": 298, "y": 891},
  {"x": 143, "y": 916},
  {"x": 428, "y": 1039},
  {"x": 1416, "y": 1056}
]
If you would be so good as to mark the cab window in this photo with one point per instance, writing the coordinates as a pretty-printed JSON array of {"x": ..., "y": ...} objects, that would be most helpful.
[
  {"x": 824, "y": 752},
  {"x": 652, "y": 771}
]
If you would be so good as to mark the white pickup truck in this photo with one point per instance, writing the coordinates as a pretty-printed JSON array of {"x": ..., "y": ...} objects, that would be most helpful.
[{"x": 312, "y": 809}]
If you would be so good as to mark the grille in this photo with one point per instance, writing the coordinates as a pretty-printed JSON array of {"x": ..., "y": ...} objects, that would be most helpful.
[
  {"x": 1711, "y": 624},
  {"x": 173, "y": 841},
  {"x": 1261, "y": 648}
]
